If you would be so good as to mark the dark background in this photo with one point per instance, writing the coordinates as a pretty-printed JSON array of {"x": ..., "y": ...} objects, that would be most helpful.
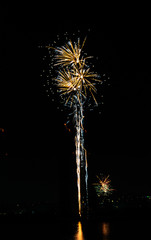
[{"x": 41, "y": 164}]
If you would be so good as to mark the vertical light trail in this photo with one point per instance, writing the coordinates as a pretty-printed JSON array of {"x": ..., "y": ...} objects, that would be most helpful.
[
  {"x": 77, "y": 144},
  {"x": 86, "y": 177},
  {"x": 84, "y": 166},
  {"x": 82, "y": 160},
  {"x": 81, "y": 156}
]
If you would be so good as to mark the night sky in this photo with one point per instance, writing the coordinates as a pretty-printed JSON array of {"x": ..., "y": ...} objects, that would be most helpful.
[{"x": 41, "y": 161}]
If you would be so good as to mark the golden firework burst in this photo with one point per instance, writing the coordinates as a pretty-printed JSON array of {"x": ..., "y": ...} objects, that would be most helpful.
[
  {"x": 70, "y": 54},
  {"x": 65, "y": 81},
  {"x": 77, "y": 81}
]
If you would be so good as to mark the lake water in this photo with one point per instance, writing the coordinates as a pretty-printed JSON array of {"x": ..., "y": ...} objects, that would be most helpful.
[
  {"x": 108, "y": 230},
  {"x": 93, "y": 230}
]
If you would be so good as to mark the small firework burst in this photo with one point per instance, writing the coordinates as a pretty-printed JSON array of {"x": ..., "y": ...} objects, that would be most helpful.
[{"x": 103, "y": 186}]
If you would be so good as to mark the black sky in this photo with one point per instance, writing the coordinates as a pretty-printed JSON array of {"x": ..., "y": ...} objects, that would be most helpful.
[{"x": 40, "y": 149}]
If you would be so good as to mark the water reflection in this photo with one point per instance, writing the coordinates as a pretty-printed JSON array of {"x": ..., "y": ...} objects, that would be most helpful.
[
  {"x": 79, "y": 233},
  {"x": 105, "y": 229}
]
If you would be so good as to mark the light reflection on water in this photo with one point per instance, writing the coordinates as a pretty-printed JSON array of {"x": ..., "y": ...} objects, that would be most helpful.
[
  {"x": 129, "y": 229},
  {"x": 104, "y": 230},
  {"x": 113, "y": 230},
  {"x": 105, "y": 227},
  {"x": 79, "y": 233}
]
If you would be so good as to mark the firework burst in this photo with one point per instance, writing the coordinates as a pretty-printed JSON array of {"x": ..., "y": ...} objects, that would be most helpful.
[
  {"x": 103, "y": 186},
  {"x": 70, "y": 54},
  {"x": 73, "y": 80},
  {"x": 74, "y": 77},
  {"x": 76, "y": 82}
]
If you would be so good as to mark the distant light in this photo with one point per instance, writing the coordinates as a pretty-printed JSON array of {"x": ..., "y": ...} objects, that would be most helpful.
[{"x": 149, "y": 197}]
